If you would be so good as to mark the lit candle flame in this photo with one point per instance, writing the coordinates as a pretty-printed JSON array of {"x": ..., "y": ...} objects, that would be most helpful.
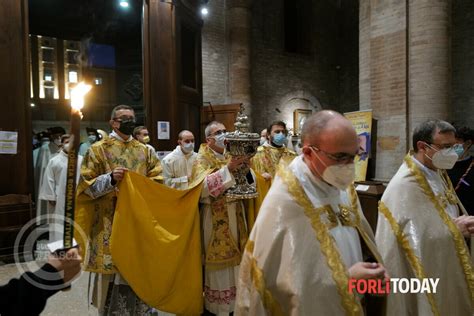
[{"x": 77, "y": 95}]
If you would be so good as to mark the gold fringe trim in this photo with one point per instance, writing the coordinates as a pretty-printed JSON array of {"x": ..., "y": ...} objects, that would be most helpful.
[
  {"x": 460, "y": 245},
  {"x": 414, "y": 261},
  {"x": 270, "y": 304},
  {"x": 328, "y": 247}
]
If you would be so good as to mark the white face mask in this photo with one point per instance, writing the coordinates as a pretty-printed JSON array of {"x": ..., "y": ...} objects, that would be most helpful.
[
  {"x": 444, "y": 158},
  {"x": 187, "y": 147},
  {"x": 92, "y": 138},
  {"x": 57, "y": 141},
  {"x": 339, "y": 176},
  {"x": 67, "y": 147},
  {"x": 220, "y": 140},
  {"x": 262, "y": 140}
]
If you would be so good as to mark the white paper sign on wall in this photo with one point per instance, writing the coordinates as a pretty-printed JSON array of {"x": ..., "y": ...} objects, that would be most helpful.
[
  {"x": 8, "y": 142},
  {"x": 163, "y": 130}
]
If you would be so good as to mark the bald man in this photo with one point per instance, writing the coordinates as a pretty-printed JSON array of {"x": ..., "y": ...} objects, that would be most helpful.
[
  {"x": 310, "y": 237},
  {"x": 178, "y": 165}
]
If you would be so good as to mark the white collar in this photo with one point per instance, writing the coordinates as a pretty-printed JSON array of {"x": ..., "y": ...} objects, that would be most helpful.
[{"x": 116, "y": 136}]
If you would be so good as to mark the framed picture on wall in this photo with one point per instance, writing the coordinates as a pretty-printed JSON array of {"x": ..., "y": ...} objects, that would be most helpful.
[{"x": 299, "y": 117}]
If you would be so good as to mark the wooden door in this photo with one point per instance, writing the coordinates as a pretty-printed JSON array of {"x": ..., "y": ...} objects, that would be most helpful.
[
  {"x": 16, "y": 169},
  {"x": 172, "y": 68},
  {"x": 224, "y": 113}
]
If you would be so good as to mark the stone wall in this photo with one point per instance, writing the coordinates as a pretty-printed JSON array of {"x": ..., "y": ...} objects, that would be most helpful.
[
  {"x": 348, "y": 56},
  {"x": 405, "y": 71},
  {"x": 215, "y": 59},
  {"x": 325, "y": 77},
  {"x": 382, "y": 78}
]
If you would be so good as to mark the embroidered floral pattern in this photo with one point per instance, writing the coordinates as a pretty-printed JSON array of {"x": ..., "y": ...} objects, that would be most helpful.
[
  {"x": 222, "y": 251},
  {"x": 102, "y": 158},
  {"x": 223, "y": 297},
  {"x": 215, "y": 184},
  {"x": 267, "y": 159},
  {"x": 122, "y": 301}
]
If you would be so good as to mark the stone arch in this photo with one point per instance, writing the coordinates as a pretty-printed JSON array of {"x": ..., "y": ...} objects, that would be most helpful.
[{"x": 297, "y": 100}]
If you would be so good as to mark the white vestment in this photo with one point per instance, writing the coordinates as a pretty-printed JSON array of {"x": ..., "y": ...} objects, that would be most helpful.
[
  {"x": 43, "y": 156},
  {"x": 53, "y": 188},
  {"x": 285, "y": 266},
  {"x": 177, "y": 168},
  {"x": 418, "y": 239}
]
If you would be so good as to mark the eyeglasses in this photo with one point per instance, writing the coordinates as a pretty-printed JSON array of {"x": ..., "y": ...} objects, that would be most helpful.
[
  {"x": 440, "y": 146},
  {"x": 219, "y": 132},
  {"x": 338, "y": 157}
]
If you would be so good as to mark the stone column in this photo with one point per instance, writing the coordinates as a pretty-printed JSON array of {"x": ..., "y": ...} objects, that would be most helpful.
[
  {"x": 364, "y": 54},
  {"x": 405, "y": 71},
  {"x": 429, "y": 60},
  {"x": 382, "y": 78},
  {"x": 239, "y": 28}
]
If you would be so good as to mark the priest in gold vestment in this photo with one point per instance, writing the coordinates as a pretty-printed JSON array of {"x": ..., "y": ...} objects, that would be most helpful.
[
  {"x": 311, "y": 236},
  {"x": 270, "y": 153},
  {"x": 421, "y": 228},
  {"x": 104, "y": 166},
  {"x": 224, "y": 227}
]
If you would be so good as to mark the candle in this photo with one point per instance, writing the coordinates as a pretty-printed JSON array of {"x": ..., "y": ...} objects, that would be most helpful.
[{"x": 77, "y": 103}]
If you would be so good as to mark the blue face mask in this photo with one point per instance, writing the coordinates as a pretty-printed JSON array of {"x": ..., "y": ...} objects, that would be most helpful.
[
  {"x": 279, "y": 139},
  {"x": 459, "y": 149}
]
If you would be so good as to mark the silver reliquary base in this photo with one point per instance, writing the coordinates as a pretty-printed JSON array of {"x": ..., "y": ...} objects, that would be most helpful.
[{"x": 241, "y": 192}]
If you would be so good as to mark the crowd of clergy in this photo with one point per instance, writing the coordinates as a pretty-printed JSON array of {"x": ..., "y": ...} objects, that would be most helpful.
[{"x": 294, "y": 249}]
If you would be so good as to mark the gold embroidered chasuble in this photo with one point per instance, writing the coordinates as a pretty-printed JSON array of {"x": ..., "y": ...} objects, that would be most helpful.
[
  {"x": 292, "y": 264},
  {"x": 267, "y": 158},
  {"x": 417, "y": 238},
  {"x": 95, "y": 216},
  {"x": 223, "y": 250}
]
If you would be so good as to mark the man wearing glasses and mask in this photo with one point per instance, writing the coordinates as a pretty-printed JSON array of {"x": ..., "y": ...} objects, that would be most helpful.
[
  {"x": 421, "y": 227},
  {"x": 224, "y": 229},
  {"x": 310, "y": 236},
  {"x": 103, "y": 167}
]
